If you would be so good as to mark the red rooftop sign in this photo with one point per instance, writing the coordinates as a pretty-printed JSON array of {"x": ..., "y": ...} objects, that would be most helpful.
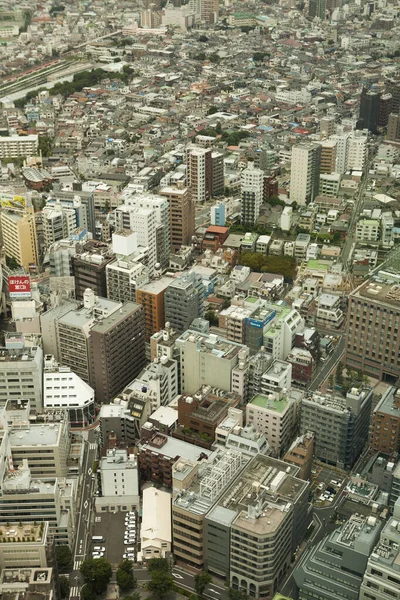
[{"x": 19, "y": 286}]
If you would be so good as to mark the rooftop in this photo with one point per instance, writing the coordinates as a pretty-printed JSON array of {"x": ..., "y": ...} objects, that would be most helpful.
[{"x": 268, "y": 403}]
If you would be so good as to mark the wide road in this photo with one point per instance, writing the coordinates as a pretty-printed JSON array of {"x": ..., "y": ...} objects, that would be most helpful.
[
  {"x": 83, "y": 514},
  {"x": 186, "y": 580},
  {"x": 323, "y": 371}
]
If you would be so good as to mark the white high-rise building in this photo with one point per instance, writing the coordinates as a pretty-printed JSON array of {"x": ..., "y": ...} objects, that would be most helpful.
[
  {"x": 58, "y": 223},
  {"x": 305, "y": 169},
  {"x": 199, "y": 172},
  {"x": 342, "y": 150},
  {"x": 358, "y": 151},
  {"x": 252, "y": 186},
  {"x": 153, "y": 230}
]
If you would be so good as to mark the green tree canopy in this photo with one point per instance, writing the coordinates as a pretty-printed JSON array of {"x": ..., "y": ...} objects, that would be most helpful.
[
  {"x": 125, "y": 579},
  {"x": 64, "y": 587},
  {"x": 158, "y": 564},
  {"x": 201, "y": 581},
  {"x": 45, "y": 145},
  {"x": 160, "y": 584},
  {"x": 237, "y": 594},
  {"x": 97, "y": 573},
  {"x": 88, "y": 593},
  {"x": 282, "y": 265},
  {"x": 63, "y": 557}
]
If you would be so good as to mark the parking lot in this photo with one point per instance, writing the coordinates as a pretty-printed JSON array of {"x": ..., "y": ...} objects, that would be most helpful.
[
  {"x": 321, "y": 478},
  {"x": 112, "y": 527}
]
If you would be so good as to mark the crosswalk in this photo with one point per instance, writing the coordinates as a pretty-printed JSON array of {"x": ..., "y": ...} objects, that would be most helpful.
[
  {"x": 77, "y": 564},
  {"x": 74, "y": 592},
  {"x": 92, "y": 446}
]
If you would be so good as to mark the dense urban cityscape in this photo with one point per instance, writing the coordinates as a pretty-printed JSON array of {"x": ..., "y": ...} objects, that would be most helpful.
[{"x": 199, "y": 300}]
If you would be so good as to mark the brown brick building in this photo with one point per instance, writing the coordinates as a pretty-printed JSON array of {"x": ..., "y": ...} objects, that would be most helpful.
[
  {"x": 300, "y": 454},
  {"x": 385, "y": 432},
  {"x": 151, "y": 297}
]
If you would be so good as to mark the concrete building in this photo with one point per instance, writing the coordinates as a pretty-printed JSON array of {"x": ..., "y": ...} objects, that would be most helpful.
[
  {"x": 14, "y": 146},
  {"x": 64, "y": 390},
  {"x": 393, "y": 129},
  {"x": 329, "y": 313},
  {"x": 199, "y": 171},
  {"x": 275, "y": 416},
  {"x": 206, "y": 359},
  {"x": 25, "y": 546},
  {"x": 121, "y": 333},
  {"x": 58, "y": 222},
  {"x": 349, "y": 548},
  {"x": 305, "y": 170},
  {"x": 340, "y": 425},
  {"x": 369, "y": 110},
  {"x": 372, "y": 318},
  {"x": 89, "y": 268},
  {"x": 21, "y": 368},
  {"x": 367, "y": 230},
  {"x": 357, "y": 151},
  {"x": 328, "y": 156},
  {"x": 151, "y": 297},
  {"x": 119, "y": 482},
  {"x": 156, "y": 530},
  {"x": 231, "y": 505},
  {"x": 152, "y": 228},
  {"x": 382, "y": 576},
  {"x": 18, "y": 231},
  {"x": 181, "y": 215},
  {"x": 118, "y": 423},
  {"x": 252, "y": 189},
  {"x": 126, "y": 273},
  {"x": 184, "y": 301},
  {"x": 329, "y": 185},
  {"x": 300, "y": 454},
  {"x": 327, "y": 127},
  {"x": 385, "y": 431}
]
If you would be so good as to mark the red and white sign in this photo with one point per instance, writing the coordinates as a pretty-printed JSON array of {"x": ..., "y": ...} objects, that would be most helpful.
[{"x": 19, "y": 286}]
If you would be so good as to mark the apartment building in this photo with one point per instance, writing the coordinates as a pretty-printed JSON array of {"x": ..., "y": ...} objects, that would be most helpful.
[
  {"x": 58, "y": 223},
  {"x": 199, "y": 170},
  {"x": 329, "y": 312},
  {"x": 184, "y": 301},
  {"x": 18, "y": 230},
  {"x": 151, "y": 297},
  {"x": 357, "y": 151},
  {"x": 385, "y": 431},
  {"x": 300, "y": 454},
  {"x": 206, "y": 359},
  {"x": 382, "y": 576},
  {"x": 181, "y": 215},
  {"x": 274, "y": 416},
  {"x": 328, "y": 156},
  {"x": 367, "y": 230},
  {"x": 305, "y": 170},
  {"x": 373, "y": 317},
  {"x": 252, "y": 190},
  {"x": 121, "y": 333},
  {"x": 89, "y": 268},
  {"x": 340, "y": 425},
  {"x": 14, "y": 146},
  {"x": 351, "y": 544},
  {"x": 302, "y": 365},
  {"x": 158, "y": 382},
  {"x": 329, "y": 185}
]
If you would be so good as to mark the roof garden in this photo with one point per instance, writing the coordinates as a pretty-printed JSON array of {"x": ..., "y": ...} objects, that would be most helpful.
[{"x": 269, "y": 403}]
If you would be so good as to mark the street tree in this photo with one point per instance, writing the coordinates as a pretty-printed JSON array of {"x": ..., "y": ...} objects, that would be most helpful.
[
  {"x": 64, "y": 587},
  {"x": 158, "y": 564},
  {"x": 160, "y": 584},
  {"x": 201, "y": 581},
  {"x": 97, "y": 573},
  {"x": 125, "y": 578},
  {"x": 63, "y": 557}
]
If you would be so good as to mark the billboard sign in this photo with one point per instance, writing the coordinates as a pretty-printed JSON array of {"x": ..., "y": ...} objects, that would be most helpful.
[
  {"x": 13, "y": 202},
  {"x": 19, "y": 286}
]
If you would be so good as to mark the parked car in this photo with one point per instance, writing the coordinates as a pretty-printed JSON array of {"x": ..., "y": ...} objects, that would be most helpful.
[{"x": 129, "y": 555}]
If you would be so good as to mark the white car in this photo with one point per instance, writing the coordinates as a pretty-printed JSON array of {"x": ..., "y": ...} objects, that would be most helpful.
[
  {"x": 99, "y": 549},
  {"x": 131, "y": 549},
  {"x": 129, "y": 555},
  {"x": 97, "y": 554}
]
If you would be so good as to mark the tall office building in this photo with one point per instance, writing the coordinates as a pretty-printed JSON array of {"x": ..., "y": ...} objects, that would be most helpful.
[
  {"x": 350, "y": 547},
  {"x": 184, "y": 301},
  {"x": 117, "y": 351},
  {"x": 385, "y": 431},
  {"x": 385, "y": 108},
  {"x": 369, "y": 110},
  {"x": 317, "y": 8},
  {"x": 393, "y": 88},
  {"x": 340, "y": 425},
  {"x": 342, "y": 151},
  {"x": 199, "y": 171},
  {"x": 252, "y": 189},
  {"x": 89, "y": 268},
  {"x": 181, "y": 215},
  {"x": 373, "y": 319},
  {"x": 305, "y": 169},
  {"x": 217, "y": 174},
  {"x": 393, "y": 129},
  {"x": 18, "y": 232},
  {"x": 142, "y": 222}
]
